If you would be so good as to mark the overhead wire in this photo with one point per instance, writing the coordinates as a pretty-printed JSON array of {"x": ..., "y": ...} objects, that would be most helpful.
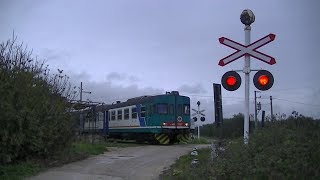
[
  {"x": 297, "y": 102},
  {"x": 197, "y": 95}
]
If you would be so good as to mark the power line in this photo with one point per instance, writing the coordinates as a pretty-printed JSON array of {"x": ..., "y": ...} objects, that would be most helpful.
[
  {"x": 297, "y": 102},
  {"x": 227, "y": 97},
  {"x": 293, "y": 88},
  {"x": 197, "y": 95}
]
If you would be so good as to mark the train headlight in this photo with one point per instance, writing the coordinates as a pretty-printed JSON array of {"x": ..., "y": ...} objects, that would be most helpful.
[
  {"x": 164, "y": 124},
  {"x": 186, "y": 124}
]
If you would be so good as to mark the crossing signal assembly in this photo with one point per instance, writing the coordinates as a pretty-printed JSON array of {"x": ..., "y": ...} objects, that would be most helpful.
[
  {"x": 231, "y": 80},
  {"x": 195, "y": 119},
  {"x": 263, "y": 80}
]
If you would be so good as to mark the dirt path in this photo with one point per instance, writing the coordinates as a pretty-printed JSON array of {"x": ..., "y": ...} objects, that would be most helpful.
[{"x": 137, "y": 163}]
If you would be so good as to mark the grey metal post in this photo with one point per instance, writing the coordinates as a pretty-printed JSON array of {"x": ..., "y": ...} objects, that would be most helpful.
[
  {"x": 262, "y": 119},
  {"x": 81, "y": 92},
  {"x": 255, "y": 109},
  {"x": 271, "y": 108},
  {"x": 198, "y": 103},
  {"x": 198, "y": 121},
  {"x": 246, "y": 70}
]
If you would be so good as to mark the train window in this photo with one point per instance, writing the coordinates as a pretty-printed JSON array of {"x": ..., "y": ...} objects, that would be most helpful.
[
  {"x": 134, "y": 112},
  {"x": 126, "y": 113},
  {"x": 171, "y": 109},
  {"x": 162, "y": 108},
  {"x": 179, "y": 109},
  {"x": 113, "y": 115},
  {"x": 120, "y": 114},
  {"x": 186, "y": 109},
  {"x": 143, "y": 111}
]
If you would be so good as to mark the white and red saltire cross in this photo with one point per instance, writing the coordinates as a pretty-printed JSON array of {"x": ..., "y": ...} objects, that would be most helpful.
[{"x": 249, "y": 50}]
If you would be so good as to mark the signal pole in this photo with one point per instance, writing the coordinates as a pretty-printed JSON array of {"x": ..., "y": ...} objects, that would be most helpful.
[
  {"x": 271, "y": 108},
  {"x": 246, "y": 70},
  {"x": 255, "y": 109},
  {"x": 197, "y": 114},
  {"x": 198, "y": 103},
  {"x": 81, "y": 91}
]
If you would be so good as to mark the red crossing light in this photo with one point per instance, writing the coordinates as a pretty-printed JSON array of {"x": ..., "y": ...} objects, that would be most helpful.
[
  {"x": 263, "y": 80},
  {"x": 231, "y": 80}
]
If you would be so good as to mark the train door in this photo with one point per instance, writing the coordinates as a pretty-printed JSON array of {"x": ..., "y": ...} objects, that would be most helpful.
[{"x": 176, "y": 111}]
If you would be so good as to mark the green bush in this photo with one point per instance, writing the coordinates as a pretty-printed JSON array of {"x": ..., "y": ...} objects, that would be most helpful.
[
  {"x": 282, "y": 150},
  {"x": 19, "y": 171},
  {"x": 33, "y": 106},
  {"x": 231, "y": 128},
  {"x": 183, "y": 169}
]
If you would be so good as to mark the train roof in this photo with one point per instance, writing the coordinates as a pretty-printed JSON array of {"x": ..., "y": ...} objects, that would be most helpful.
[
  {"x": 142, "y": 99},
  {"x": 132, "y": 101}
]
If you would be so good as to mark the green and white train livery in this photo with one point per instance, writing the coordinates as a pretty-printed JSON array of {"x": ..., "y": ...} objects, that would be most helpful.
[{"x": 161, "y": 119}]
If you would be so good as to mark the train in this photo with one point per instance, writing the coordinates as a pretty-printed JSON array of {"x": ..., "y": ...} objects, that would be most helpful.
[{"x": 157, "y": 119}]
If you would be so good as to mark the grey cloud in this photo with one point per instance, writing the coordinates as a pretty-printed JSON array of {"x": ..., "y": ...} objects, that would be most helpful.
[
  {"x": 115, "y": 76},
  {"x": 133, "y": 78},
  {"x": 193, "y": 89},
  {"x": 51, "y": 54},
  {"x": 108, "y": 91}
]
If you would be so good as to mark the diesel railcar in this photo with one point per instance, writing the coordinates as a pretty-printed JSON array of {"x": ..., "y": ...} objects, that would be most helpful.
[{"x": 162, "y": 119}]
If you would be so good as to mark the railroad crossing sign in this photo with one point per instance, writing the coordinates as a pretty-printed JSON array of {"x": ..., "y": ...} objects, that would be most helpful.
[
  {"x": 249, "y": 50},
  {"x": 263, "y": 79},
  {"x": 198, "y": 112}
]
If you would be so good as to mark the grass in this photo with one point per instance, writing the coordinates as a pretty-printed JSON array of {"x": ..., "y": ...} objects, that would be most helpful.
[
  {"x": 19, "y": 171},
  {"x": 182, "y": 169},
  {"x": 89, "y": 149},
  {"x": 77, "y": 151},
  {"x": 201, "y": 140}
]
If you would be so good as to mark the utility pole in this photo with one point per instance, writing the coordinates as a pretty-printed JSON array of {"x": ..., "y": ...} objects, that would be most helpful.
[
  {"x": 262, "y": 119},
  {"x": 198, "y": 103},
  {"x": 81, "y": 91},
  {"x": 255, "y": 109},
  {"x": 271, "y": 108}
]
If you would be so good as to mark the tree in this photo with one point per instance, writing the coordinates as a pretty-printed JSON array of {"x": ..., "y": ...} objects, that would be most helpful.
[{"x": 34, "y": 116}]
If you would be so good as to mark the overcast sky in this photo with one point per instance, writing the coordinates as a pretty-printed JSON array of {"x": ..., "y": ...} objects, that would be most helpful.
[{"x": 125, "y": 48}]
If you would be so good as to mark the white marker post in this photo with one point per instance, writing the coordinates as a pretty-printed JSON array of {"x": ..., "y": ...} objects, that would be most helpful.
[{"x": 246, "y": 70}]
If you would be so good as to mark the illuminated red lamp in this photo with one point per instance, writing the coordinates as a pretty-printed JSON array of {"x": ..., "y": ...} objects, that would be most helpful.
[
  {"x": 231, "y": 80},
  {"x": 263, "y": 80}
]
